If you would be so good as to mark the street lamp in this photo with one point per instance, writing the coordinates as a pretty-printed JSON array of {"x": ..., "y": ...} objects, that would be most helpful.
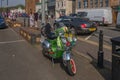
[
  {"x": 7, "y": 8},
  {"x": 43, "y": 12},
  {"x": 1, "y": 5}
]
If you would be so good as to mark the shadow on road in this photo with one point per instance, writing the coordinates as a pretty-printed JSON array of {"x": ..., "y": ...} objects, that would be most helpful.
[
  {"x": 105, "y": 72},
  {"x": 115, "y": 30}
]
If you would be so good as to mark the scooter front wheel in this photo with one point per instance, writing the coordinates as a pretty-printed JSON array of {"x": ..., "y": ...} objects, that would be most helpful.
[{"x": 71, "y": 67}]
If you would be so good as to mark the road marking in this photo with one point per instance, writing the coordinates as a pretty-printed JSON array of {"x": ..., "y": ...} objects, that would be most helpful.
[
  {"x": 89, "y": 36},
  {"x": 93, "y": 43},
  {"x": 6, "y": 42},
  {"x": 5, "y": 29},
  {"x": 77, "y": 53},
  {"x": 83, "y": 55},
  {"x": 12, "y": 30},
  {"x": 104, "y": 36}
]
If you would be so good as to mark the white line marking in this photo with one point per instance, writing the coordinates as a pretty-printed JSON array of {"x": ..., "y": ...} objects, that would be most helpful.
[
  {"x": 5, "y": 29},
  {"x": 93, "y": 43},
  {"x": 11, "y": 41},
  {"x": 12, "y": 30},
  {"x": 89, "y": 36}
]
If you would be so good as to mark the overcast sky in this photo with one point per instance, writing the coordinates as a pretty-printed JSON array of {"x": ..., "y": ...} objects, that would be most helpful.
[{"x": 12, "y": 2}]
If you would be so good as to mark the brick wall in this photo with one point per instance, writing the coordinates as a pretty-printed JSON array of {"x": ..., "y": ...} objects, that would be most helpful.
[{"x": 30, "y": 5}]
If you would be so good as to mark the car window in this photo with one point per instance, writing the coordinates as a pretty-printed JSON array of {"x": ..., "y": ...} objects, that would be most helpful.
[
  {"x": 65, "y": 20},
  {"x": 82, "y": 14},
  {"x": 64, "y": 17},
  {"x": 78, "y": 19},
  {"x": 118, "y": 18}
]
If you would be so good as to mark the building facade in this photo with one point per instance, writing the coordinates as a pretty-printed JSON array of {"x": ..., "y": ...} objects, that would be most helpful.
[
  {"x": 30, "y": 6},
  {"x": 91, "y": 4},
  {"x": 51, "y": 7},
  {"x": 64, "y": 7}
]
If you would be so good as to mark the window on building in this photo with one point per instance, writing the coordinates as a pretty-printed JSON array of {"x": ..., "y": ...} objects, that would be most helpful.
[
  {"x": 96, "y": 3},
  {"x": 106, "y": 3},
  {"x": 91, "y": 3},
  {"x": 79, "y": 4},
  {"x": 62, "y": 4},
  {"x": 57, "y": 4},
  {"x": 85, "y": 3},
  {"x": 101, "y": 3}
]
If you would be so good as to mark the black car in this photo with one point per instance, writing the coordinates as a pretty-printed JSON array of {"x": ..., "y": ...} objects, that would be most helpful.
[
  {"x": 79, "y": 25},
  {"x": 2, "y": 22},
  {"x": 73, "y": 15}
]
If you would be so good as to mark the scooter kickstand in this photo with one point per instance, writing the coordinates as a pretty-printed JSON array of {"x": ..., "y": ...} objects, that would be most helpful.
[{"x": 52, "y": 62}]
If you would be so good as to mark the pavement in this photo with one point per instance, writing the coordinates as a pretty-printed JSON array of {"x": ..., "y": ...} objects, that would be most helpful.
[{"x": 86, "y": 62}]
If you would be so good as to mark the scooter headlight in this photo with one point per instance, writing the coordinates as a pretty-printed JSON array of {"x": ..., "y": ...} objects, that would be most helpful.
[
  {"x": 64, "y": 40},
  {"x": 75, "y": 39},
  {"x": 48, "y": 45}
]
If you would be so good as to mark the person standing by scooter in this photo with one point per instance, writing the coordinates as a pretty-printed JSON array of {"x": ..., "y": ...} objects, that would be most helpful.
[
  {"x": 31, "y": 19},
  {"x": 36, "y": 19}
]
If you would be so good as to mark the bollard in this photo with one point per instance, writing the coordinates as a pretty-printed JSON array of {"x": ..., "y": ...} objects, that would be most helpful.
[
  {"x": 24, "y": 22},
  {"x": 100, "y": 52}
]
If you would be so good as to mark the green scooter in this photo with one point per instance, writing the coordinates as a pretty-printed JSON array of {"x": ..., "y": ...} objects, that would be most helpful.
[{"x": 60, "y": 47}]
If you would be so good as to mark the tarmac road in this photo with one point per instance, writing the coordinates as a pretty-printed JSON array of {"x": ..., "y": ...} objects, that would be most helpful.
[{"x": 21, "y": 61}]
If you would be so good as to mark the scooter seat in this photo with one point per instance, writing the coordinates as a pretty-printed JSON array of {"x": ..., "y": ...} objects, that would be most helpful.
[{"x": 52, "y": 36}]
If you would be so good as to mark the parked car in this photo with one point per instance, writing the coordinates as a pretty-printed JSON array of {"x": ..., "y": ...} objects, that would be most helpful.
[
  {"x": 118, "y": 21},
  {"x": 101, "y": 16},
  {"x": 78, "y": 25},
  {"x": 2, "y": 22},
  {"x": 24, "y": 15},
  {"x": 73, "y": 15}
]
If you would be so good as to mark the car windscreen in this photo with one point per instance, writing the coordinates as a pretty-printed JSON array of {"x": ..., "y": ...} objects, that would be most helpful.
[
  {"x": 64, "y": 17},
  {"x": 61, "y": 24},
  {"x": 80, "y": 20},
  {"x": 82, "y": 14}
]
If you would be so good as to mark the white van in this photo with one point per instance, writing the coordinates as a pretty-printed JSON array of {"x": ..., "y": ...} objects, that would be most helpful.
[
  {"x": 102, "y": 16},
  {"x": 118, "y": 20}
]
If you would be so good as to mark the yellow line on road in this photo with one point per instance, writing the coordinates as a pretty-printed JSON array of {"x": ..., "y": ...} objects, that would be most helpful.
[{"x": 94, "y": 43}]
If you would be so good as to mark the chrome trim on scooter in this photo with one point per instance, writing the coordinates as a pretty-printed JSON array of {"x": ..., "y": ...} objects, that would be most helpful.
[
  {"x": 46, "y": 44},
  {"x": 66, "y": 55}
]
